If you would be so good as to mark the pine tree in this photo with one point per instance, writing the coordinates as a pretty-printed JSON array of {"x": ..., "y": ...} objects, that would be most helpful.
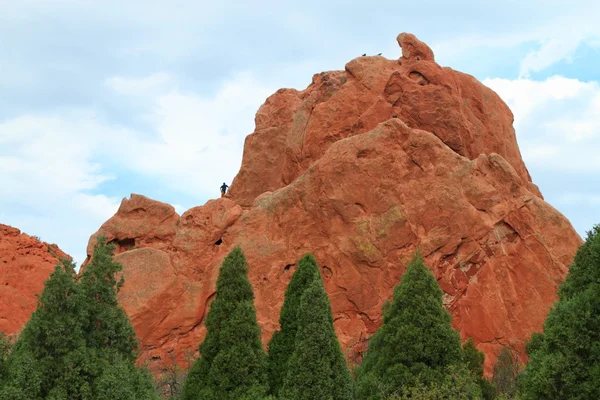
[
  {"x": 281, "y": 345},
  {"x": 79, "y": 343},
  {"x": 564, "y": 361},
  {"x": 233, "y": 362},
  {"x": 415, "y": 345},
  {"x": 106, "y": 326},
  {"x": 317, "y": 368}
]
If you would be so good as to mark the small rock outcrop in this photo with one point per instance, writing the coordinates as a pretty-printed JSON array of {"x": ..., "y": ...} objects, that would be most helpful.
[{"x": 25, "y": 264}]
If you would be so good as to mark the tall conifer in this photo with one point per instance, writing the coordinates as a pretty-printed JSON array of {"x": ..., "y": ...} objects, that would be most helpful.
[
  {"x": 415, "y": 345},
  {"x": 317, "y": 368},
  {"x": 232, "y": 363},
  {"x": 281, "y": 345},
  {"x": 564, "y": 361}
]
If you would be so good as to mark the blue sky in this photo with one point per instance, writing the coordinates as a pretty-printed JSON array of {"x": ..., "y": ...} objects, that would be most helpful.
[{"x": 101, "y": 99}]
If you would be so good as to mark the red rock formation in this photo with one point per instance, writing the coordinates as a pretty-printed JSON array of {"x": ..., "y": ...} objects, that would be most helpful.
[
  {"x": 294, "y": 129},
  {"x": 329, "y": 170},
  {"x": 25, "y": 264}
]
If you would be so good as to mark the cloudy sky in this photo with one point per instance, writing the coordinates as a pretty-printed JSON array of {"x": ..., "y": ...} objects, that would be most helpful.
[{"x": 101, "y": 99}]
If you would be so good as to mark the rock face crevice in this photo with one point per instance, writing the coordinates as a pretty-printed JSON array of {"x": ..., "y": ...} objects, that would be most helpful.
[{"x": 362, "y": 169}]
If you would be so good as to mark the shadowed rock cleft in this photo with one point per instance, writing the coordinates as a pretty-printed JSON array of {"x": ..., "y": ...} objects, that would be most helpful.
[
  {"x": 123, "y": 244},
  {"x": 288, "y": 266}
]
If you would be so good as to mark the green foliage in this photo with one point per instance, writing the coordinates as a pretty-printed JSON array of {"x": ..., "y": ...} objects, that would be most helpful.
[
  {"x": 564, "y": 362},
  {"x": 5, "y": 346},
  {"x": 282, "y": 344},
  {"x": 506, "y": 373},
  {"x": 415, "y": 344},
  {"x": 488, "y": 391},
  {"x": 121, "y": 380},
  {"x": 317, "y": 368},
  {"x": 456, "y": 385},
  {"x": 475, "y": 360},
  {"x": 78, "y": 344},
  {"x": 232, "y": 363}
]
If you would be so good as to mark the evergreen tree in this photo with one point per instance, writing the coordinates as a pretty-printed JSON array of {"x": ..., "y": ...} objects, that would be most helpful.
[
  {"x": 106, "y": 326},
  {"x": 317, "y": 368},
  {"x": 415, "y": 344},
  {"x": 281, "y": 345},
  {"x": 475, "y": 360},
  {"x": 564, "y": 361},
  {"x": 78, "y": 340},
  {"x": 233, "y": 362}
]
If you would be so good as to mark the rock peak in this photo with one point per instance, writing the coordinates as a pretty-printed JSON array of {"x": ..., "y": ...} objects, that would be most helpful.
[{"x": 413, "y": 48}]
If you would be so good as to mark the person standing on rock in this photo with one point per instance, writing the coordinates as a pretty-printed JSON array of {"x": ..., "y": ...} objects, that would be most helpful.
[{"x": 223, "y": 189}]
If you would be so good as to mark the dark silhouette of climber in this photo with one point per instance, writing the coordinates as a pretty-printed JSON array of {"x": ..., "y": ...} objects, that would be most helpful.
[
  {"x": 223, "y": 189},
  {"x": 378, "y": 54},
  {"x": 364, "y": 54}
]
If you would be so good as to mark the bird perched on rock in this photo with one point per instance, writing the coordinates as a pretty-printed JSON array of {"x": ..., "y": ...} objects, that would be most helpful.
[
  {"x": 364, "y": 54},
  {"x": 378, "y": 54}
]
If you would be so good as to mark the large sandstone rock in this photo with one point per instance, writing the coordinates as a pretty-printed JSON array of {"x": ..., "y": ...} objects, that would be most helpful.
[
  {"x": 329, "y": 170},
  {"x": 25, "y": 264}
]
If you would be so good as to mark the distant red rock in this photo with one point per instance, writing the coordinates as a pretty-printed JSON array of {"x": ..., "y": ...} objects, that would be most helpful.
[
  {"x": 25, "y": 264},
  {"x": 362, "y": 168}
]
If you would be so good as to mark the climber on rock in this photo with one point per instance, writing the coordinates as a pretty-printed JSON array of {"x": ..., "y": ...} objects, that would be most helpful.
[{"x": 223, "y": 189}]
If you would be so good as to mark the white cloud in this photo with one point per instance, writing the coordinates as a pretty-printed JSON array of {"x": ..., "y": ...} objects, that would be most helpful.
[
  {"x": 556, "y": 29},
  {"x": 139, "y": 86},
  {"x": 523, "y": 96},
  {"x": 557, "y": 121},
  {"x": 200, "y": 139},
  {"x": 49, "y": 155},
  {"x": 550, "y": 51},
  {"x": 98, "y": 206}
]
